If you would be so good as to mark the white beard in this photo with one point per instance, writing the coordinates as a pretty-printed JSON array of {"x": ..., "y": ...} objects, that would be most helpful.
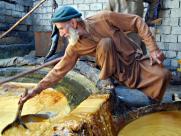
[{"x": 73, "y": 36}]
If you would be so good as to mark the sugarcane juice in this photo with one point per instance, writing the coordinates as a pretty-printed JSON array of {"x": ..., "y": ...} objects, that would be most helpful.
[
  {"x": 166, "y": 123},
  {"x": 47, "y": 101}
]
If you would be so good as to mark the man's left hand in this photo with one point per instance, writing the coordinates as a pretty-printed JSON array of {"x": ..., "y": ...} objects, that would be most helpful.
[{"x": 156, "y": 56}]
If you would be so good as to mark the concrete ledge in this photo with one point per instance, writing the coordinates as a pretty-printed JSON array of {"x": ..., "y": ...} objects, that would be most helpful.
[
  {"x": 91, "y": 118},
  {"x": 7, "y": 51}
]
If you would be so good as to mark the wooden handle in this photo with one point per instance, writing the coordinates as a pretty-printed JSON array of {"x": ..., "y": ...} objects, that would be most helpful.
[{"x": 20, "y": 106}]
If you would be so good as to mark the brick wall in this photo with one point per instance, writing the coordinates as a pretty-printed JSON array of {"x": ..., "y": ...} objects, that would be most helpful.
[
  {"x": 10, "y": 12},
  {"x": 42, "y": 16},
  {"x": 168, "y": 33}
]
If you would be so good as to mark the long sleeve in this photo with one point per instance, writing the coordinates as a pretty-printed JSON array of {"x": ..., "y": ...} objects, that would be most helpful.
[
  {"x": 134, "y": 23},
  {"x": 59, "y": 71}
]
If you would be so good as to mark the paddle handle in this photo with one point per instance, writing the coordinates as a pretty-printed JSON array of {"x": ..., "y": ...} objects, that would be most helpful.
[{"x": 20, "y": 106}]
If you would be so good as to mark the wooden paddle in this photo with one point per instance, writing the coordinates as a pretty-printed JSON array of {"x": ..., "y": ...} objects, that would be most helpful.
[{"x": 17, "y": 119}]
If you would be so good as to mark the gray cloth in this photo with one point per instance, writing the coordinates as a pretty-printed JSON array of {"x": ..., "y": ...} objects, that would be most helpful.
[
  {"x": 20, "y": 61},
  {"x": 127, "y": 6}
]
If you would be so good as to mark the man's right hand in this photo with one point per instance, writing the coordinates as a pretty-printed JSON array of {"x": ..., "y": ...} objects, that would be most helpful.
[
  {"x": 156, "y": 56},
  {"x": 29, "y": 95}
]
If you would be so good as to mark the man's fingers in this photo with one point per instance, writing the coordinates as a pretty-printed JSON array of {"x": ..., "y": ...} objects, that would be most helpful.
[
  {"x": 23, "y": 99},
  {"x": 158, "y": 61}
]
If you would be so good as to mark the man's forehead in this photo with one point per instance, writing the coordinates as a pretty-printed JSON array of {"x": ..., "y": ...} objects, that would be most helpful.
[{"x": 61, "y": 24}]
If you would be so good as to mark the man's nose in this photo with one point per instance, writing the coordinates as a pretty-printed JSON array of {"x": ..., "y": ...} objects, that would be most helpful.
[{"x": 61, "y": 33}]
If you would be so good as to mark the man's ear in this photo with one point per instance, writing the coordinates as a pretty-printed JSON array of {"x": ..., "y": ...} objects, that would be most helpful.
[{"x": 74, "y": 23}]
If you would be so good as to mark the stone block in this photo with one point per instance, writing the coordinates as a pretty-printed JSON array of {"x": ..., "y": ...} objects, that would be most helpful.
[
  {"x": 3, "y": 26},
  {"x": 9, "y": 6},
  {"x": 48, "y": 10},
  {"x": 78, "y": 1},
  {"x": 2, "y": 11},
  {"x": 161, "y": 45},
  {"x": 167, "y": 62},
  {"x": 28, "y": 3},
  {"x": 2, "y": 18},
  {"x": 47, "y": 16},
  {"x": 16, "y": 14},
  {"x": 170, "y": 4},
  {"x": 169, "y": 38},
  {"x": 45, "y": 22},
  {"x": 68, "y": 2},
  {"x": 83, "y": 7},
  {"x": 174, "y": 63},
  {"x": 15, "y": 49},
  {"x": 103, "y": 1},
  {"x": 47, "y": 3},
  {"x": 42, "y": 28},
  {"x": 90, "y": 1},
  {"x": 10, "y": 19},
  {"x": 105, "y": 5},
  {"x": 96, "y": 6},
  {"x": 175, "y": 12},
  {"x": 43, "y": 10},
  {"x": 37, "y": 18},
  {"x": 179, "y": 55},
  {"x": 170, "y": 54},
  {"x": 47, "y": 28},
  {"x": 8, "y": 12},
  {"x": 2, "y": 4},
  {"x": 90, "y": 13},
  {"x": 179, "y": 39},
  {"x": 59, "y": 2},
  {"x": 173, "y": 21},
  {"x": 19, "y": 8},
  {"x": 174, "y": 46},
  {"x": 74, "y": 6},
  {"x": 164, "y": 29},
  {"x": 176, "y": 30},
  {"x": 38, "y": 28}
]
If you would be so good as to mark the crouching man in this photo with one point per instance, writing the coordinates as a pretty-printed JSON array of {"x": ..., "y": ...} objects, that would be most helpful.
[{"x": 102, "y": 36}]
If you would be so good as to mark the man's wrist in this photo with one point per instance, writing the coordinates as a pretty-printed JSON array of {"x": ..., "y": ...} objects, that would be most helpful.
[
  {"x": 153, "y": 50},
  {"x": 37, "y": 90}
]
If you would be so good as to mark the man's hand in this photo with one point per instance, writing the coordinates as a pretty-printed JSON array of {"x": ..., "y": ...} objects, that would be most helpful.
[
  {"x": 156, "y": 56},
  {"x": 29, "y": 95}
]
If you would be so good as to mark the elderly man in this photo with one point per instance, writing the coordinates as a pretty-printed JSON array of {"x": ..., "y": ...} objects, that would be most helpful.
[{"x": 102, "y": 36}]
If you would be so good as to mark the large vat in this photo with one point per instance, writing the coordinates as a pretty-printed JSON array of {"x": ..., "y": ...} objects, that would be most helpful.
[
  {"x": 75, "y": 81},
  {"x": 159, "y": 119},
  {"x": 74, "y": 86}
]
